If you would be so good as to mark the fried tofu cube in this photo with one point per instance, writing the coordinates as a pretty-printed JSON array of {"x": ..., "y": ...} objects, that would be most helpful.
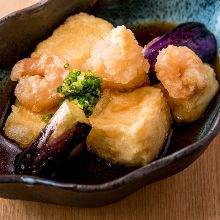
[{"x": 130, "y": 128}]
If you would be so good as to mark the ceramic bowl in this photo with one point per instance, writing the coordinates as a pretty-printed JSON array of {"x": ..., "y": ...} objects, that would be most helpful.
[{"x": 92, "y": 182}]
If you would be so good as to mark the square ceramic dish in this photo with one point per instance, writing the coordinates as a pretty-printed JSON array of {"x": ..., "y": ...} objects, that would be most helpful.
[{"x": 93, "y": 182}]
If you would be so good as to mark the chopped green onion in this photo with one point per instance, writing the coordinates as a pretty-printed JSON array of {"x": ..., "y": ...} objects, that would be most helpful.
[
  {"x": 83, "y": 88},
  {"x": 47, "y": 117}
]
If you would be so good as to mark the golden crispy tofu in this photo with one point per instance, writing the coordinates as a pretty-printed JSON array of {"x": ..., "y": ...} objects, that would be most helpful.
[
  {"x": 130, "y": 128},
  {"x": 74, "y": 39},
  {"x": 23, "y": 126}
]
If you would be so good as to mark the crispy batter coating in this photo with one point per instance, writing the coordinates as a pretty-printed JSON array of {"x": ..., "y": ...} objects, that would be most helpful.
[
  {"x": 40, "y": 75},
  {"x": 74, "y": 40},
  {"x": 191, "y": 109},
  {"x": 189, "y": 84},
  {"x": 130, "y": 128},
  {"x": 38, "y": 79},
  {"x": 181, "y": 71},
  {"x": 23, "y": 126}
]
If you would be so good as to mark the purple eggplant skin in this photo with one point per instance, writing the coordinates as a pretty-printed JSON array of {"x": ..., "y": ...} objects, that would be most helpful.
[
  {"x": 8, "y": 152},
  {"x": 193, "y": 35},
  {"x": 44, "y": 155}
]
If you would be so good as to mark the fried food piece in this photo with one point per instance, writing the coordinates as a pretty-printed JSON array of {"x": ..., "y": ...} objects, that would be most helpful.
[
  {"x": 38, "y": 79},
  {"x": 23, "y": 126},
  {"x": 40, "y": 75},
  {"x": 191, "y": 109},
  {"x": 180, "y": 71},
  {"x": 129, "y": 128},
  {"x": 67, "y": 129},
  {"x": 189, "y": 84},
  {"x": 74, "y": 40},
  {"x": 119, "y": 60}
]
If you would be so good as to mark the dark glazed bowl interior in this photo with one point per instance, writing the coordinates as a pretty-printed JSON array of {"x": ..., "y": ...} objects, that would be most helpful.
[{"x": 87, "y": 181}]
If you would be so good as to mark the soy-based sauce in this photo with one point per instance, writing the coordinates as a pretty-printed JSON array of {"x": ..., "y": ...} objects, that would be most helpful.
[{"x": 146, "y": 32}]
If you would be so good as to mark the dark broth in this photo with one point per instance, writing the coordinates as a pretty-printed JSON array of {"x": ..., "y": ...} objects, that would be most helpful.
[{"x": 146, "y": 32}]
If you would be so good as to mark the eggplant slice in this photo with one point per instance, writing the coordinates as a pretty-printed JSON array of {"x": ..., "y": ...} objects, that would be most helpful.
[{"x": 67, "y": 128}]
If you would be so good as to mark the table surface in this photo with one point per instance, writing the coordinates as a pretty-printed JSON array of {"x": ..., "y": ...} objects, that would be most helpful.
[{"x": 191, "y": 194}]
